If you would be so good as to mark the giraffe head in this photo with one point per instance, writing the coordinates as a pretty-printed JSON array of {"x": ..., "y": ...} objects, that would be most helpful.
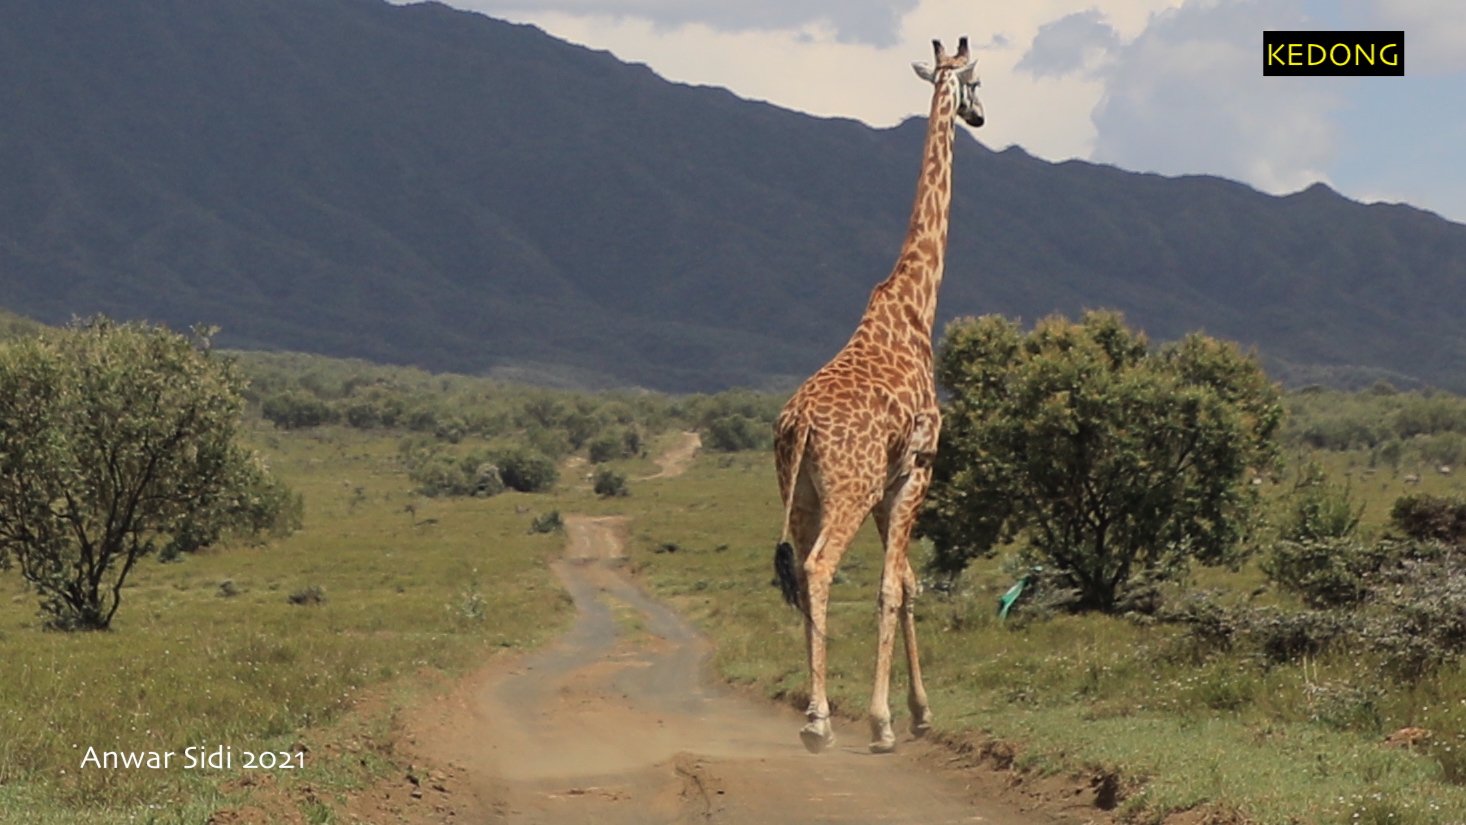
[{"x": 958, "y": 73}]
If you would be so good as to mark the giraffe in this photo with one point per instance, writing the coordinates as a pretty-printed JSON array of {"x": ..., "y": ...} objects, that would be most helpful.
[{"x": 858, "y": 437}]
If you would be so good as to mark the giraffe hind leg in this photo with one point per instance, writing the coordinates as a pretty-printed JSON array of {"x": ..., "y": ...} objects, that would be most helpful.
[
  {"x": 916, "y": 702},
  {"x": 836, "y": 529},
  {"x": 895, "y": 519}
]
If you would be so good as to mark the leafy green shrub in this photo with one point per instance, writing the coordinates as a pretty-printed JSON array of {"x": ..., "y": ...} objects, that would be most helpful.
[
  {"x": 1430, "y": 518},
  {"x": 732, "y": 433},
  {"x": 309, "y": 595},
  {"x": 266, "y": 507},
  {"x": 1418, "y": 618},
  {"x": 294, "y": 409},
  {"x": 613, "y": 444},
  {"x": 1441, "y": 448},
  {"x": 1276, "y": 636},
  {"x": 1325, "y": 572},
  {"x": 438, "y": 473},
  {"x": 451, "y": 430},
  {"x": 1287, "y": 636},
  {"x": 1317, "y": 555},
  {"x": 376, "y": 409},
  {"x": 1210, "y": 626},
  {"x": 610, "y": 484},
  {"x": 548, "y": 523},
  {"x": 1319, "y": 509},
  {"x": 526, "y": 470},
  {"x": 1412, "y": 618}
]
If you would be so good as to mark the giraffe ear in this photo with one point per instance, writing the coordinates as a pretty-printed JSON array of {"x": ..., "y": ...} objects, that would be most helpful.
[
  {"x": 924, "y": 71},
  {"x": 968, "y": 74}
]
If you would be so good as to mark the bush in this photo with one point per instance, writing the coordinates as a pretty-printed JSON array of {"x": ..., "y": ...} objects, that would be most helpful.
[
  {"x": 548, "y": 523},
  {"x": 1430, "y": 518},
  {"x": 1318, "y": 509},
  {"x": 610, "y": 484},
  {"x": 437, "y": 473},
  {"x": 527, "y": 471},
  {"x": 1325, "y": 572},
  {"x": 307, "y": 596},
  {"x": 293, "y": 409},
  {"x": 613, "y": 444},
  {"x": 1412, "y": 617},
  {"x": 1211, "y": 627},
  {"x": 732, "y": 433},
  {"x": 1275, "y": 635},
  {"x": 1418, "y": 620},
  {"x": 1287, "y": 636}
]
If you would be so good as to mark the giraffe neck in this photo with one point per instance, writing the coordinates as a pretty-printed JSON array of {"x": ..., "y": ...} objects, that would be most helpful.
[{"x": 913, "y": 283}]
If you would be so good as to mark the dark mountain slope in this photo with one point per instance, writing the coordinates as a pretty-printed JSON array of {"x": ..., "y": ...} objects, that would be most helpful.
[{"x": 419, "y": 185}]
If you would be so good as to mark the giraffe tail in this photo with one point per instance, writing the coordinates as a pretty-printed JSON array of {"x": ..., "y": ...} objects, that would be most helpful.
[
  {"x": 784, "y": 561},
  {"x": 784, "y": 571}
]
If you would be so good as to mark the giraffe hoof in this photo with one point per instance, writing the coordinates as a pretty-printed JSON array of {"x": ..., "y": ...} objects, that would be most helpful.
[
  {"x": 882, "y": 739},
  {"x": 817, "y": 736},
  {"x": 921, "y": 723}
]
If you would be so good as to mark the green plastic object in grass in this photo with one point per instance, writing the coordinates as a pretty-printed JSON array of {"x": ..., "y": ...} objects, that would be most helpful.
[{"x": 1007, "y": 600}]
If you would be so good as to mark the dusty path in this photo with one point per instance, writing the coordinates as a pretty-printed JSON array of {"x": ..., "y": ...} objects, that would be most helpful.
[
  {"x": 618, "y": 723},
  {"x": 675, "y": 461}
]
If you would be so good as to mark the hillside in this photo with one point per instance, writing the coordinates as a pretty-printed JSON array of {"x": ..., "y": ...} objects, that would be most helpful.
[
  {"x": 424, "y": 186},
  {"x": 14, "y": 326}
]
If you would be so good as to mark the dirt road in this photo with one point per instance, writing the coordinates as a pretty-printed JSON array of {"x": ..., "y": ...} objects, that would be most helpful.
[
  {"x": 675, "y": 461},
  {"x": 617, "y": 723}
]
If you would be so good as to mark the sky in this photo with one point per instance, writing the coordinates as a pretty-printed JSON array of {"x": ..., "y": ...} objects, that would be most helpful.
[{"x": 1168, "y": 86}]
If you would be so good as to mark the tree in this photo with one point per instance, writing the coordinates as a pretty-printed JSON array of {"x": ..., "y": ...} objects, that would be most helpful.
[
  {"x": 118, "y": 440},
  {"x": 1109, "y": 458}
]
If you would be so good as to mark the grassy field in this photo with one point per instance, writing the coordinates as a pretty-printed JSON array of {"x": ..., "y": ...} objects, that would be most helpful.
[
  {"x": 405, "y": 593},
  {"x": 415, "y": 588}
]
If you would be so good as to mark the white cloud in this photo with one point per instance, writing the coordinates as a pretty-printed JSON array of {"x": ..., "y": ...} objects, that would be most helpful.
[
  {"x": 1070, "y": 44},
  {"x": 1188, "y": 96},
  {"x": 851, "y": 21},
  {"x": 1435, "y": 32}
]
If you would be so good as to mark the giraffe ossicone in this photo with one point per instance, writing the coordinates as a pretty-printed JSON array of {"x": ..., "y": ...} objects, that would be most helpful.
[{"x": 858, "y": 437}]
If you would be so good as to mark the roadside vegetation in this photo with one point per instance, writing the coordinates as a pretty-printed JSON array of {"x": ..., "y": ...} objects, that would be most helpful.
[{"x": 1313, "y": 672}]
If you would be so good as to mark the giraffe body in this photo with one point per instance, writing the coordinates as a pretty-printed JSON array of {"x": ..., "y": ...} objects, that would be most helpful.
[{"x": 859, "y": 436}]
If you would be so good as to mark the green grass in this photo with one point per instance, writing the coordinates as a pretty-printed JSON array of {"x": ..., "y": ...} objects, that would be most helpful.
[
  {"x": 405, "y": 593},
  {"x": 1274, "y": 744}
]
